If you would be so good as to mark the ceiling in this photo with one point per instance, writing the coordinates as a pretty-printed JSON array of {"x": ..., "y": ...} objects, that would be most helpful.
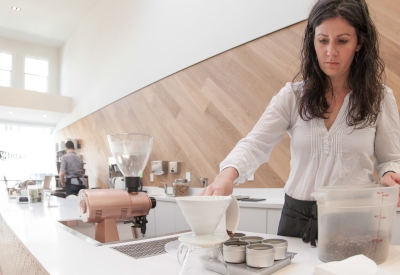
[
  {"x": 31, "y": 117},
  {"x": 43, "y": 22}
]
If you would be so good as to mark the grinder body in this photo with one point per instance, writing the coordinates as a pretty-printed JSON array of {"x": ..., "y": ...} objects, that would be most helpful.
[{"x": 104, "y": 206}]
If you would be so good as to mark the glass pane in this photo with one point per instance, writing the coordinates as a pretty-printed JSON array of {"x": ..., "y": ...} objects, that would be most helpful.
[
  {"x": 30, "y": 65},
  {"x": 36, "y": 66},
  {"x": 5, "y": 77},
  {"x": 5, "y": 61},
  {"x": 30, "y": 82},
  {"x": 35, "y": 83},
  {"x": 41, "y": 84},
  {"x": 42, "y": 67}
]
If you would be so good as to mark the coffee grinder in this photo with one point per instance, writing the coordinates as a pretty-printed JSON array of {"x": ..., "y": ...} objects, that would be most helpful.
[{"x": 103, "y": 206}]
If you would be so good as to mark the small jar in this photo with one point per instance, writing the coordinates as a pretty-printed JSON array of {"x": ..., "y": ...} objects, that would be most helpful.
[
  {"x": 180, "y": 187},
  {"x": 235, "y": 251},
  {"x": 260, "y": 255},
  {"x": 35, "y": 193},
  {"x": 280, "y": 246}
]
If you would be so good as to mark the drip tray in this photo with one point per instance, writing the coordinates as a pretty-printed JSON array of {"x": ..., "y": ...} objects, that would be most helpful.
[
  {"x": 144, "y": 249},
  {"x": 243, "y": 269}
]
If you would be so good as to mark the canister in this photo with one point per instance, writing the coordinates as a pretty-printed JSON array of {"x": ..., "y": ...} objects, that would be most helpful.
[
  {"x": 180, "y": 187},
  {"x": 235, "y": 251},
  {"x": 280, "y": 246},
  {"x": 260, "y": 255},
  {"x": 251, "y": 239},
  {"x": 35, "y": 193}
]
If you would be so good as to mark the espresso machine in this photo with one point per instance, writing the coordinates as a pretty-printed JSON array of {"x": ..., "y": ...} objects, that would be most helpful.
[{"x": 104, "y": 206}]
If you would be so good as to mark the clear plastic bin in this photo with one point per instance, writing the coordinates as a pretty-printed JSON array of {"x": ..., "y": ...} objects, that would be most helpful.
[{"x": 355, "y": 219}]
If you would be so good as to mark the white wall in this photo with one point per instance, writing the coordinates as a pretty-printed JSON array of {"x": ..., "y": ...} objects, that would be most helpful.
[
  {"x": 20, "y": 50},
  {"x": 125, "y": 45}
]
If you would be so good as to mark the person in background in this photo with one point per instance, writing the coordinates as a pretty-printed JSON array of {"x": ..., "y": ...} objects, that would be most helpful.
[
  {"x": 71, "y": 171},
  {"x": 338, "y": 116}
]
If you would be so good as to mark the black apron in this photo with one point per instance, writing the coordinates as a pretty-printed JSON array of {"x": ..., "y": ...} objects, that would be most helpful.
[
  {"x": 299, "y": 219},
  {"x": 72, "y": 188}
]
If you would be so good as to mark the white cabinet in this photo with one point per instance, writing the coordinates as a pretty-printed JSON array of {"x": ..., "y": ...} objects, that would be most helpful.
[
  {"x": 151, "y": 224},
  {"x": 396, "y": 230},
  {"x": 180, "y": 221},
  {"x": 274, "y": 216},
  {"x": 259, "y": 220},
  {"x": 253, "y": 220},
  {"x": 164, "y": 217}
]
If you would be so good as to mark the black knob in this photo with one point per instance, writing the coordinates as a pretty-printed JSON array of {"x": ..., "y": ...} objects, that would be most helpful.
[{"x": 153, "y": 202}]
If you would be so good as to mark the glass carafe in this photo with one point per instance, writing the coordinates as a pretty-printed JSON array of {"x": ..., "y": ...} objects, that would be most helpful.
[{"x": 197, "y": 260}]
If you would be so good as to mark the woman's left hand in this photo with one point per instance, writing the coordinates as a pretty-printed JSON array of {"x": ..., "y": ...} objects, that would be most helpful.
[{"x": 391, "y": 179}]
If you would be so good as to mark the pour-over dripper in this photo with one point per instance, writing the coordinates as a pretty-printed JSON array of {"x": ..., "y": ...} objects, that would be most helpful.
[
  {"x": 203, "y": 255},
  {"x": 203, "y": 214},
  {"x": 131, "y": 153}
]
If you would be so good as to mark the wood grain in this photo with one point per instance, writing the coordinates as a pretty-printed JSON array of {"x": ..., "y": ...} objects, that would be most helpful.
[{"x": 197, "y": 115}]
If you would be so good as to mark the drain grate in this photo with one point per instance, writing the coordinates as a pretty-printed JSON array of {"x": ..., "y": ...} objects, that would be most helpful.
[{"x": 146, "y": 249}]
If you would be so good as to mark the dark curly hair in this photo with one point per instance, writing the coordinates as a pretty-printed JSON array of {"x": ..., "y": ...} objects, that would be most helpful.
[{"x": 366, "y": 72}]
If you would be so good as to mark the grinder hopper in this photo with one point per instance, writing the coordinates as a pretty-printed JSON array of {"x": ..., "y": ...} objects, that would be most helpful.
[{"x": 131, "y": 153}]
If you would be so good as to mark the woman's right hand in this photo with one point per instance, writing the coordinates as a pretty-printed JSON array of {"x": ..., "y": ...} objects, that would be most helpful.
[{"x": 223, "y": 183}]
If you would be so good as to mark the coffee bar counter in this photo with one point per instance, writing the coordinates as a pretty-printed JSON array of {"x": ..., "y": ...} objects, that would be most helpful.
[
  {"x": 259, "y": 217},
  {"x": 32, "y": 241}
]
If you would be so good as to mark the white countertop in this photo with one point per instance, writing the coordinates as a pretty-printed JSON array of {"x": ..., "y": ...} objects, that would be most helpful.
[
  {"x": 274, "y": 197},
  {"x": 56, "y": 249}
]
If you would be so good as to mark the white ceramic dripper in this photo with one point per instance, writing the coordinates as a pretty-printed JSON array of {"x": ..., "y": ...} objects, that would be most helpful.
[
  {"x": 209, "y": 218},
  {"x": 206, "y": 216}
]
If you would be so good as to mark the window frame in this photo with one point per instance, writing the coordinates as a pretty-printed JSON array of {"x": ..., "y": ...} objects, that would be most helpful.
[
  {"x": 36, "y": 75},
  {"x": 11, "y": 69}
]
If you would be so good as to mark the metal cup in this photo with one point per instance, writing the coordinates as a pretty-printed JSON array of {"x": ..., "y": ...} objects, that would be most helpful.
[
  {"x": 280, "y": 246},
  {"x": 260, "y": 255},
  {"x": 235, "y": 251}
]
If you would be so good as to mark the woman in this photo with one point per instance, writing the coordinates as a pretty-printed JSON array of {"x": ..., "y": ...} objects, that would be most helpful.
[{"x": 338, "y": 117}]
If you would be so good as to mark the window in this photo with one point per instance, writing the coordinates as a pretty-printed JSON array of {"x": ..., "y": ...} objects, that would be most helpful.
[
  {"x": 28, "y": 150},
  {"x": 5, "y": 69},
  {"x": 36, "y": 73}
]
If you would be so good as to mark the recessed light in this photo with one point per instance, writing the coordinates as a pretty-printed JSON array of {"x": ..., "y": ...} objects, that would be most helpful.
[
  {"x": 10, "y": 113},
  {"x": 16, "y": 8},
  {"x": 44, "y": 116}
]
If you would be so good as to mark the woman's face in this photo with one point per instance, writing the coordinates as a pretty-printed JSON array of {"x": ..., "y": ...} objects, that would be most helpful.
[{"x": 336, "y": 43}]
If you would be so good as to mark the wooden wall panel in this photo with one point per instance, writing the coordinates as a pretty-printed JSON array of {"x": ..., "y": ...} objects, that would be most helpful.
[{"x": 197, "y": 115}]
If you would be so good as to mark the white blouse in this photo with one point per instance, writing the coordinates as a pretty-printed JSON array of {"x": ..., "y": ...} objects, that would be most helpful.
[{"x": 342, "y": 155}]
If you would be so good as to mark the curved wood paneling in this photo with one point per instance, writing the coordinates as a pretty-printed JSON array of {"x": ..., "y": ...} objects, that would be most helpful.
[{"x": 197, "y": 115}]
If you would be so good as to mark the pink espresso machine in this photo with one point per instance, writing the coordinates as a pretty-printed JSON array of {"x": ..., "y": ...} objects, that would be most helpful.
[{"x": 103, "y": 206}]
